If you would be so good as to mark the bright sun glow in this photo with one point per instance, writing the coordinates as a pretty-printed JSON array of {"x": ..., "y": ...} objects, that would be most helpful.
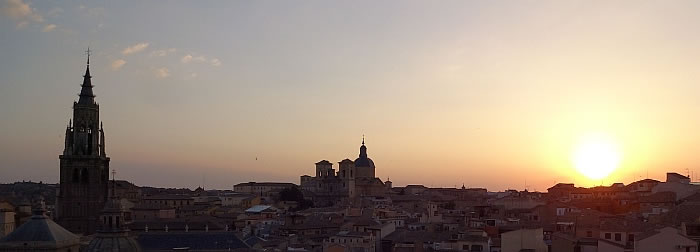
[{"x": 596, "y": 156}]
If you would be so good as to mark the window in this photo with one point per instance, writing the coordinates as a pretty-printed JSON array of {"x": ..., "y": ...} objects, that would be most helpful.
[
  {"x": 608, "y": 236},
  {"x": 477, "y": 248},
  {"x": 589, "y": 233},
  {"x": 465, "y": 247},
  {"x": 618, "y": 237},
  {"x": 630, "y": 237}
]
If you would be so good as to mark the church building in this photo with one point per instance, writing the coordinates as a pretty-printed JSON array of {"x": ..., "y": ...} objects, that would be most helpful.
[
  {"x": 353, "y": 179},
  {"x": 84, "y": 165}
]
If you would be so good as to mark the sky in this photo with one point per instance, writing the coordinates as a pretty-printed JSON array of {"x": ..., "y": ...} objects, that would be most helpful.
[{"x": 493, "y": 94}]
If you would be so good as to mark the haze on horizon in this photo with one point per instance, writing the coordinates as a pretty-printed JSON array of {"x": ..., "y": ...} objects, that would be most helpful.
[{"x": 491, "y": 94}]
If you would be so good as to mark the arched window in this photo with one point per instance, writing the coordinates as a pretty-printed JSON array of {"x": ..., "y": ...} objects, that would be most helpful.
[
  {"x": 76, "y": 176},
  {"x": 84, "y": 176}
]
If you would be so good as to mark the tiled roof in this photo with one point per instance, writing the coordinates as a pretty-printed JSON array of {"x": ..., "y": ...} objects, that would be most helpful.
[
  {"x": 168, "y": 197},
  {"x": 193, "y": 240},
  {"x": 659, "y": 197},
  {"x": 145, "y": 206},
  {"x": 41, "y": 229}
]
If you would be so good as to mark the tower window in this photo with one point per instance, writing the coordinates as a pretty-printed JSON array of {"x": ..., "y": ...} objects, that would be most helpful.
[
  {"x": 85, "y": 177},
  {"x": 76, "y": 176}
]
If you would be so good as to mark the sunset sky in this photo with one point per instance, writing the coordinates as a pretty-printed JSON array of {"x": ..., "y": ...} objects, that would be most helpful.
[{"x": 493, "y": 94}]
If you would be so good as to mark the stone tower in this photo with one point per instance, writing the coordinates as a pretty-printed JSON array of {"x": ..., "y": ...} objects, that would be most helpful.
[{"x": 84, "y": 174}]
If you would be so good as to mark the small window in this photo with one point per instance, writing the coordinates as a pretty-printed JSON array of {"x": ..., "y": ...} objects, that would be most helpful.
[
  {"x": 608, "y": 236},
  {"x": 589, "y": 234},
  {"x": 618, "y": 237},
  {"x": 465, "y": 247}
]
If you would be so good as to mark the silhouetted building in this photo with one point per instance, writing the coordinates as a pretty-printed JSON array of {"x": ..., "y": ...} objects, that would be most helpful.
[
  {"x": 363, "y": 164},
  {"x": 352, "y": 179},
  {"x": 84, "y": 174},
  {"x": 40, "y": 234},
  {"x": 113, "y": 234}
]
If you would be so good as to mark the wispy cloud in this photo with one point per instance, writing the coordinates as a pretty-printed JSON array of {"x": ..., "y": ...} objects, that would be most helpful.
[
  {"x": 199, "y": 59},
  {"x": 21, "y": 12},
  {"x": 117, "y": 64},
  {"x": 163, "y": 52},
  {"x": 135, "y": 48},
  {"x": 215, "y": 62},
  {"x": 49, "y": 28},
  {"x": 162, "y": 72},
  {"x": 186, "y": 59}
]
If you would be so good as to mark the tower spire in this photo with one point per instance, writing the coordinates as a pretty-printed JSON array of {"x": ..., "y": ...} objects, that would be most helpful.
[
  {"x": 363, "y": 139},
  {"x": 86, "y": 95}
]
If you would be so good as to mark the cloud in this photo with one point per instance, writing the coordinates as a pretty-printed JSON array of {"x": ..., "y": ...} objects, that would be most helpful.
[
  {"x": 200, "y": 59},
  {"x": 118, "y": 64},
  {"x": 187, "y": 58},
  {"x": 215, "y": 62},
  {"x": 163, "y": 52},
  {"x": 55, "y": 12},
  {"x": 20, "y": 12},
  {"x": 162, "y": 73},
  {"x": 193, "y": 75},
  {"x": 49, "y": 28},
  {"x": 135, "y": 48}
]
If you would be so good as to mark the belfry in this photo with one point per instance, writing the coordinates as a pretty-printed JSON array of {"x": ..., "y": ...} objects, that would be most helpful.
[{"x": 84, "y": 172}]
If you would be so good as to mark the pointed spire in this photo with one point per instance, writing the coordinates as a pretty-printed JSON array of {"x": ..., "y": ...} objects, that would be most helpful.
[
  {"x": 86, "y": 95},
  {"x": 363, "y": 139}
]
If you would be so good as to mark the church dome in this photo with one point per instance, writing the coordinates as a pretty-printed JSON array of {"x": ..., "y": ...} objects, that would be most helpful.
[{"x": 363, "y": 160}]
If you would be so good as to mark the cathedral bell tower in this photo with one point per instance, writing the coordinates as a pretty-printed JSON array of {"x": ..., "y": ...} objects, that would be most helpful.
[{"x": 84, "y": 173}]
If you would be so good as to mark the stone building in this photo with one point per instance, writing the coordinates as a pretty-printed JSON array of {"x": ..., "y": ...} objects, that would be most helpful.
[
  {"x": 113, "y": 234},
  {"x": 84, "y": 172},
  {"x": 40, "y": 234},
  {"x": 353, "y": 178}
]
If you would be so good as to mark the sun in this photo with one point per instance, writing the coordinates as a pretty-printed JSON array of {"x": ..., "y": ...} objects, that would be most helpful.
[{"x": 596, "y": 156}]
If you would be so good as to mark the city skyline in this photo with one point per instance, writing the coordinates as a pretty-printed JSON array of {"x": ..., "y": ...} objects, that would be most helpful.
[{"x": 442, "y": 102}]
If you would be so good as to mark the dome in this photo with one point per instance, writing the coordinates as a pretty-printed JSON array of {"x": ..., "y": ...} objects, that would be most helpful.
[
  {"x": 364, "y": 162},
  {"x": 39, "y": 233},
  {"x": 113, "y": 242}
]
